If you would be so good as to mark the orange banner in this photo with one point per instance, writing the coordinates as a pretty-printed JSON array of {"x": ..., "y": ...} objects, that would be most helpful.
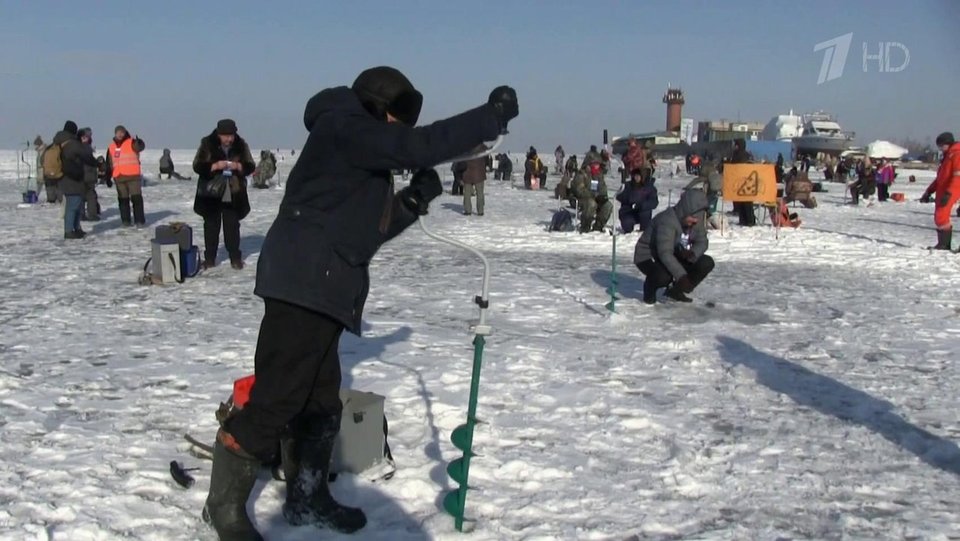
[{"x": 749, "y": 183}]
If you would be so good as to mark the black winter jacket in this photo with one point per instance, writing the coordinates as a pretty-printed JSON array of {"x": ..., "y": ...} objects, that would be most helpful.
[
  {"x": 339, "y": 205},
  {"x": 209, "y": 153},
  {"x": 74, "y": 156}
]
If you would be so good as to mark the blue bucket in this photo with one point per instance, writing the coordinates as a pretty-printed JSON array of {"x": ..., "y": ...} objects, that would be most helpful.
[
  {"x": 30, "y": 197},
  {"x": 190, "y": 262}
]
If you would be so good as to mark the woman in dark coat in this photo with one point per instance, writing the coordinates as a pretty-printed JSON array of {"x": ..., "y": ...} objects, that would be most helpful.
[
  {"x": 223, "y": 153},
  {"x": 338, "y": 208}
]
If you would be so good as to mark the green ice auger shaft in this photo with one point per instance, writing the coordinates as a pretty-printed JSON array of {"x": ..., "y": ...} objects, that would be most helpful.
[{"x": 462, "y": 437}]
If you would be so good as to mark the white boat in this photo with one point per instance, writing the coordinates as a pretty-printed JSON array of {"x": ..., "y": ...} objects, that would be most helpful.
[
  {"x": 821, "y": 134},
  {"x": 783, "y": 128}
]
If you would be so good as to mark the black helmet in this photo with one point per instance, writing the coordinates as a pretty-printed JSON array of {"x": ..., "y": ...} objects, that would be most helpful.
[
  {"x": 385, "y": 90},
  {"x": 945, "y": 138}
]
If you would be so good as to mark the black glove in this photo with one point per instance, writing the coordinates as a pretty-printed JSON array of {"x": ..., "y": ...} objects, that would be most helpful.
[
  {"x": 424, "y": 187},
  {"x": 109, "y": 183},
  {"x": 944, "y": 200},
  {"x": 925, "y": 198},
  {"x": 683, "y": 284},
  {"x": 687, "y": 255},
  {"x": 504, "y": 102}
]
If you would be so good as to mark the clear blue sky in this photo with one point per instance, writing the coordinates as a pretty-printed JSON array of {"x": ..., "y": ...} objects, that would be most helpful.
[{"x": 169, "y": 70}]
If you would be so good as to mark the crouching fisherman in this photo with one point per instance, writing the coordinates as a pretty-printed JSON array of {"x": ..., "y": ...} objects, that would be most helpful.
[{"x": 672, "y": 251}]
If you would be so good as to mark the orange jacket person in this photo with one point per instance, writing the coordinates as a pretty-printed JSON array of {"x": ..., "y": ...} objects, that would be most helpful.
[
  {"x": 123, "y": 157},
  {"x": 947, "y": 189}
]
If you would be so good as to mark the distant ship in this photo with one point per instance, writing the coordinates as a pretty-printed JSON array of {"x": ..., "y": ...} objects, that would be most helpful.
[{"x": 814, "y": 133}]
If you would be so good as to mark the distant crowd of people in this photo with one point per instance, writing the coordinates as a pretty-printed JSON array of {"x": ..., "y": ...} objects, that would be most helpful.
[{"x": 69, "y": 173}]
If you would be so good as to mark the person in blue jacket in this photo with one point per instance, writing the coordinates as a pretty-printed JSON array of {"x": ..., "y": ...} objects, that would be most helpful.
[{"x": 638, "y": 200}]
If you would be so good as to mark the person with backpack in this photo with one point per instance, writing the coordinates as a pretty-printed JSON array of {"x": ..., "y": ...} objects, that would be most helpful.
[
  {"x": 73, "y": 156},
  {"x": 532, "y": 168},
  {"x": 124, "y": 160},
  {"x": 223, "y": 158},
  {"x": 51, "y": 165},
  {"x": 672, "y": 251},
  {"x": 338, "y": 209}
]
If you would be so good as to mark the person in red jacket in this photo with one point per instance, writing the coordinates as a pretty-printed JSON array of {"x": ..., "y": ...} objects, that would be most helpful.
[{"x": 946, "y": 189}]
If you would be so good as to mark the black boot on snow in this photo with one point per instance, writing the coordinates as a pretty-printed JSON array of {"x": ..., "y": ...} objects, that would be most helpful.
[
  {"x": 306, "y": 457},
  {"x": 944, "y": 240},
  {"x": 677, "y": 295},
  {"x": 125, "y": 210},
  {"x": 649, "y": 293},
  {"x": 233, "y": 476},
  {"x": 139, "y": 218}
]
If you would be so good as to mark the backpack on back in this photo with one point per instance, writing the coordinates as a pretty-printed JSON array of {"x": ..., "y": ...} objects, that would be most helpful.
[{"x": 52, "y": 159}]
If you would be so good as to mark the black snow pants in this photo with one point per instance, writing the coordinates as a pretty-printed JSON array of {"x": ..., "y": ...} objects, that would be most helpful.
[
  {"x": 658, "y": 276},
  {"x": 297, "y": 370},
  {"x": 229, "y": 218}
]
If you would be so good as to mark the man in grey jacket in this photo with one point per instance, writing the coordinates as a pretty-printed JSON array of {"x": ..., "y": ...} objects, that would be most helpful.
[{"x": 672, "y": 251}]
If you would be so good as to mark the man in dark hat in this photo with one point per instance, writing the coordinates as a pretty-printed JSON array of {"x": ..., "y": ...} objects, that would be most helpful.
[
  {"x": 946, "y": 189},
  {"x": 339, "y": 207},
  {"x": 74, "y": 156}
]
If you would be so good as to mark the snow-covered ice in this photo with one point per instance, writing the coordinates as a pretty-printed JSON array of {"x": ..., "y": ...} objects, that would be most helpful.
[{"x": 816, "y": 401}]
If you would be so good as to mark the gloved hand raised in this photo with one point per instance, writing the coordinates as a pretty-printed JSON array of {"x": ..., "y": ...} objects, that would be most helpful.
[
  {"x": 504, "y": 102},
  {"x": 424, "y": 187}
]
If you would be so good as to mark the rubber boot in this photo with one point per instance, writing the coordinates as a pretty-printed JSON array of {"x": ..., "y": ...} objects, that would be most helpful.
[
  {"x": 233, "y": 476},
  {"x": 138, "y": 217},
  {"x": 125, "y": 210},
  {"x": 940, "y": 245},
  {"x": 944, "y": 239},
  {"x": 306, "y": 457}
]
